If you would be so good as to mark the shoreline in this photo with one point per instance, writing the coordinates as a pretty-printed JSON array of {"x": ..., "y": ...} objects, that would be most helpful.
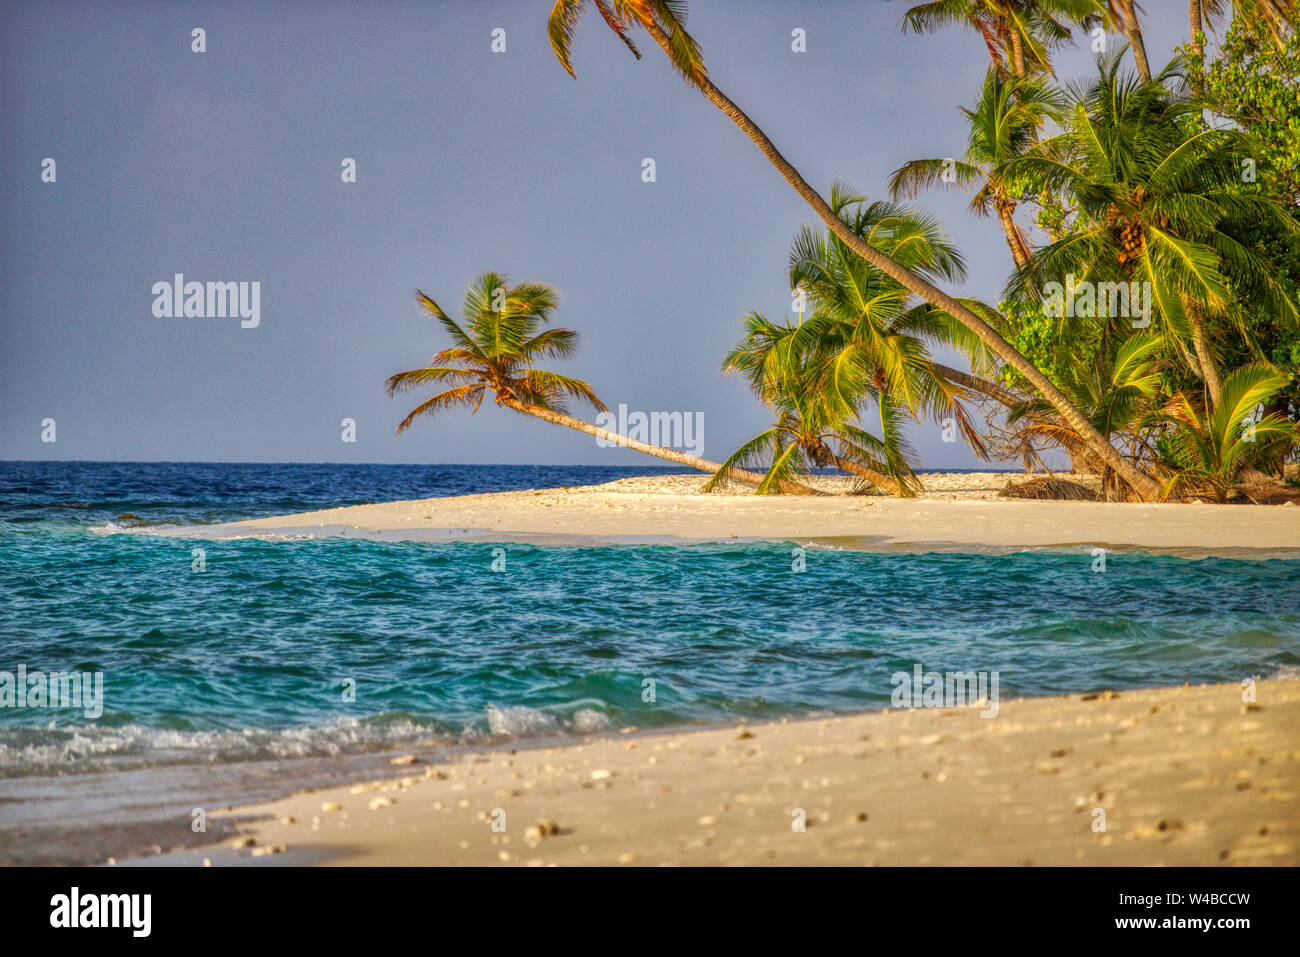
[
  {"x": 1182, "y": 776},
  {"x": 959, "y": 510}
]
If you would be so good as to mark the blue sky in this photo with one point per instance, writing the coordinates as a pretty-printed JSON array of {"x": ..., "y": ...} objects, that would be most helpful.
[{"x": 225, "y": 166}]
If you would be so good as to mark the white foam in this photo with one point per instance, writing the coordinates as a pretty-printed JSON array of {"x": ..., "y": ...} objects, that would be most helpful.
[
  {"x": 519, "y": 721},
  {"x": 588, "y": 721},
  {"x": 96, "y": 747}
]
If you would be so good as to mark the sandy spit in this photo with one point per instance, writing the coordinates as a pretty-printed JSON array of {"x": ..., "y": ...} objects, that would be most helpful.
[
  {"x": 1191, "y": 776},
  {"x": 957, "y": 509}
]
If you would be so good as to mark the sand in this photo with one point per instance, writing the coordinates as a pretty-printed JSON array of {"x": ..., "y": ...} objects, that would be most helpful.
[
  {"x": 1175, "y": 776},
  {"x": 957, "y": 510}
]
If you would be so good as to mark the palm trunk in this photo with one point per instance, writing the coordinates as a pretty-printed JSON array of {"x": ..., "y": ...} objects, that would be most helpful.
[
  {"x": 872, "y": 476},
  {"x": 1194, "y": 22},
  {"x": 1017, "y": 53},
  {"x": 672, "y": 455},
  {"x": 1144, "y": 485},
  {"x": 1204, "y": 355},
  {"x": 1014, "y": 240},
  {"x": 1133, "y": 30},
  {"x": 975, "y": 384}
]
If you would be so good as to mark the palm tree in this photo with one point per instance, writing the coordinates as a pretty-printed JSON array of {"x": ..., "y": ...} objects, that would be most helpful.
[
  {"x": 875, "y": 341},
  {"x": 1159, "y": 202},
  {"x": 812, "y": 429},
  {"x": 662, "y": 21},
  {"x": 1018, "y": 33},
  {"x": 863, "y": 345},
  {"x": 1209, "y": 450},
  {"x": 500, "y": 337},
  {"x": 1003, "y": 125}
]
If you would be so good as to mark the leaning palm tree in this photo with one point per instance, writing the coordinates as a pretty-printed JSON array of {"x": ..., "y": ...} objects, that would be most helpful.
[
  {"x": 1003, "y": 125},
  {"x": 1124, "y": 15},
  {"x": 502, "y": 334},
  {"x": 662, "y": 20}
]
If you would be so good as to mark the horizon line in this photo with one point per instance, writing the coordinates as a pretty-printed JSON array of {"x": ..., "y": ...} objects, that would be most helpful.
[{"x": 990, "y": 467}]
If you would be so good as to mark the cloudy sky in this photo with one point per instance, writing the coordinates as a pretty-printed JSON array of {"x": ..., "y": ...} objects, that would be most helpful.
[{"x": 225, "y": 166}]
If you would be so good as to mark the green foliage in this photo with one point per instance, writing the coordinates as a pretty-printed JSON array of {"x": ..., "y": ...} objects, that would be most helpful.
[
  {"x": 1039, "y": 338},
  {"x": 862, "y": 350},
  {"x": 1254, "y": 82},
  {"x": 1257, "y": 85},
  {"x": 1208, "y": 448}
]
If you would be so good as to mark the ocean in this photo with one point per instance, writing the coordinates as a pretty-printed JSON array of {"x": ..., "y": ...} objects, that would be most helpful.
[{"x": 271, "y": 665}]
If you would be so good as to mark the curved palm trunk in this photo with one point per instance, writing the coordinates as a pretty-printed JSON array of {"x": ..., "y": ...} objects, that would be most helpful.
[
  {"x": 871, "y": 475},
  {"x": 672, "y": 455},
  {"x": 1133, "y": 31},
  {"x": 1144, "y": 485}
]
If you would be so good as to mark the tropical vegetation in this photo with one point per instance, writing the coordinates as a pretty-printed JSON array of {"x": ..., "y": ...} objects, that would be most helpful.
[{"x": 1149, "y": 326}]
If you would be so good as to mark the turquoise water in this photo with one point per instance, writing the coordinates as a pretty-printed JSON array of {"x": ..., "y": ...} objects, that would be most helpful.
[
  {"x": 227, "y": 685},
  {"x": 251, "y": 657}
]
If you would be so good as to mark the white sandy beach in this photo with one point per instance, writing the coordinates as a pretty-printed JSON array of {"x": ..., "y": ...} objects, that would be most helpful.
[
  {"x": 1174, "y": 776},
  {"x": 956, "y": 509}
]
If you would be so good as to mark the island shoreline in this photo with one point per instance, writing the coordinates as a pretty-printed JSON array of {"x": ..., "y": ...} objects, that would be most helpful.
[{"x": 959, "y": 512}]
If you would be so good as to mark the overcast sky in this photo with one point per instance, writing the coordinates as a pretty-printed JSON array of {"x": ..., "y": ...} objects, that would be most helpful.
[{"x": 225, "y": 166}]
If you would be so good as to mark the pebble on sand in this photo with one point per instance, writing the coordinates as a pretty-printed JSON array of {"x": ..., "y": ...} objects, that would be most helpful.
[{"x": 545, "y": 827}]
